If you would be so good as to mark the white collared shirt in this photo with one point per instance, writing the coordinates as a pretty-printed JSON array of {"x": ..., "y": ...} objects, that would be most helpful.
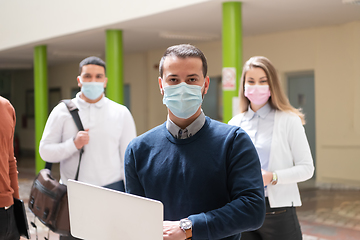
[
  {"x": 111, "y": 128},
  {"x": 189, "y": 131}
]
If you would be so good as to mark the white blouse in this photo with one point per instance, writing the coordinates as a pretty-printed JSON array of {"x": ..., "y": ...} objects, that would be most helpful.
[{"x": 259, "y": 126}]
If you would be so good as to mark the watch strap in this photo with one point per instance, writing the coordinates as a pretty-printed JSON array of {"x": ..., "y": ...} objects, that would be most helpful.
[
  {"x": 188, "y": 233},
  {"x": 186, "y": 228},
  {"x": 274, "y": 179}
]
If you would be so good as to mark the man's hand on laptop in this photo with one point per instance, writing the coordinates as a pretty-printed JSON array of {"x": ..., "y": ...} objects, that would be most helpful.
[{"x": 172, "y": 231}]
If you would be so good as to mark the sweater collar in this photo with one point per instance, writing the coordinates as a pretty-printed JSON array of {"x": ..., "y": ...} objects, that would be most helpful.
[
  {"x": 175, "y": 140},
  {"x": 189, "y": 131}
]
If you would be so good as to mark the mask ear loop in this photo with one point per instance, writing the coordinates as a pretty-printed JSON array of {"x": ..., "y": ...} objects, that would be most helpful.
[{"x": 80, "y": 78}]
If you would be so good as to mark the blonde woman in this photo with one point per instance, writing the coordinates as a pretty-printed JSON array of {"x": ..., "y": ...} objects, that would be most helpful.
[{"x": 276, "y": 129}]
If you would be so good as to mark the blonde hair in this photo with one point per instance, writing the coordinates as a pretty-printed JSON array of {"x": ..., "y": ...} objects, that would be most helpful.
[{"x": 278, "y": 99}]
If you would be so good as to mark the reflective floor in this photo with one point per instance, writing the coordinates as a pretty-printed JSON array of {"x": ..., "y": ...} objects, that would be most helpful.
[
  {"x": 326, "y": 214},
  {"x": 330, "y": 214}
]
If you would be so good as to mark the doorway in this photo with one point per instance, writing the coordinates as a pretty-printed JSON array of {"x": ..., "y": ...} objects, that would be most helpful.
[{"x": 301, "y": 91}]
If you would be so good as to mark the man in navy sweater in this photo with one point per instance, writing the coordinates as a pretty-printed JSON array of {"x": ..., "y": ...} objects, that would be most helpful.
[{"x": 206, "y": 173}]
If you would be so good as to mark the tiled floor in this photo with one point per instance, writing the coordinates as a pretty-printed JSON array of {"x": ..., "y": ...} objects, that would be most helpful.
[
  {"x": 325, "y": 215},
  {"x": 330, "y": 214}
]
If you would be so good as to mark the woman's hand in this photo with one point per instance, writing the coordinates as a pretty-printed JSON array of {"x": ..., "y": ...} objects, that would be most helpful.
[{"x": 267, "y": 176}]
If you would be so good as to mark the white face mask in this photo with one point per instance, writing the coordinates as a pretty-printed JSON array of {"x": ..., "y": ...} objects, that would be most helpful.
[
  {"x": 183, "y": 100},
  {"x": 92, "y": 90}
]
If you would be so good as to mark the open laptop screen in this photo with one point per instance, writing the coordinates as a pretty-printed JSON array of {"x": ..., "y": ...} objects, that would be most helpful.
[{"x": 101, "y": 213}]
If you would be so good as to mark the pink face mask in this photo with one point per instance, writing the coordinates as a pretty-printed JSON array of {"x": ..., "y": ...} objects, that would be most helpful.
[{"x": 257, "y": 94}]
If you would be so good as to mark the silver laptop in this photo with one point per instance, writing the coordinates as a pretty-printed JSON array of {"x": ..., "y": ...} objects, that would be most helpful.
[{"x": 100, "y": 213}]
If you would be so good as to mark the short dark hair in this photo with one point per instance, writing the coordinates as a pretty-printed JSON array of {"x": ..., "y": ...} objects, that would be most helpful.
[
  {"x": 92, "y": 60},
  {"x": 184, "y": 51}
]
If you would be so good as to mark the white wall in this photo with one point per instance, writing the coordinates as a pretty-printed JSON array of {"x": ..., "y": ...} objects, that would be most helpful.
[
  {"x": 156, "y": 110},
  {"x": 135, "y": 74},
  {"x": 63, "y": 77},
  {"x": 30, "y": 22}
]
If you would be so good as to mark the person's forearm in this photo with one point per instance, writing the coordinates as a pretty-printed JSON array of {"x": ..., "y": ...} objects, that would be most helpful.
[{"x": 55, "y": 152}]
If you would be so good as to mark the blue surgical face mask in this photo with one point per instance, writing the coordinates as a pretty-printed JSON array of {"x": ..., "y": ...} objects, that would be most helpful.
[
  {"x": 183, "y": 100},
  {"x": 92, "y": 90}
]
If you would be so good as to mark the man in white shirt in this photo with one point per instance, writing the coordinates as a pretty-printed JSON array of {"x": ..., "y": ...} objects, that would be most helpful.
[{"x": 109, "y": 127}]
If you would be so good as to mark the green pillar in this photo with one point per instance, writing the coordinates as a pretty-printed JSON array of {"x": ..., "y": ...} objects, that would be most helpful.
[
  {"x": 232, "y": 54},
  {"x": 114, "y": 66},
  {"x": 41, "y": 99}
]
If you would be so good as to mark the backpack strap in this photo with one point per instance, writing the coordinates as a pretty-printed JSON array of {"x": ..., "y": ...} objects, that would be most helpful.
[{"x": 74, "y": 111}]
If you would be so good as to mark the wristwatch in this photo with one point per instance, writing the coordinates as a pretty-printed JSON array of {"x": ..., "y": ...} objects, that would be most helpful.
[
  {"x": 274, "y": 179},
  {"x": 186, "y": 226}
]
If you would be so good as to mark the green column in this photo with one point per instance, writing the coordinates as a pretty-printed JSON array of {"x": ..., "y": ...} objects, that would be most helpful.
[
  {"x": 41, "y": 99},
  {"x": 232, "y": 54},
  {"x": 114, "y": 66}
]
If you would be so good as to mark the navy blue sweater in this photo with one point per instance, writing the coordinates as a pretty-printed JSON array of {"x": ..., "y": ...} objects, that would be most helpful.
[{"x": 213, "y": 178}]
